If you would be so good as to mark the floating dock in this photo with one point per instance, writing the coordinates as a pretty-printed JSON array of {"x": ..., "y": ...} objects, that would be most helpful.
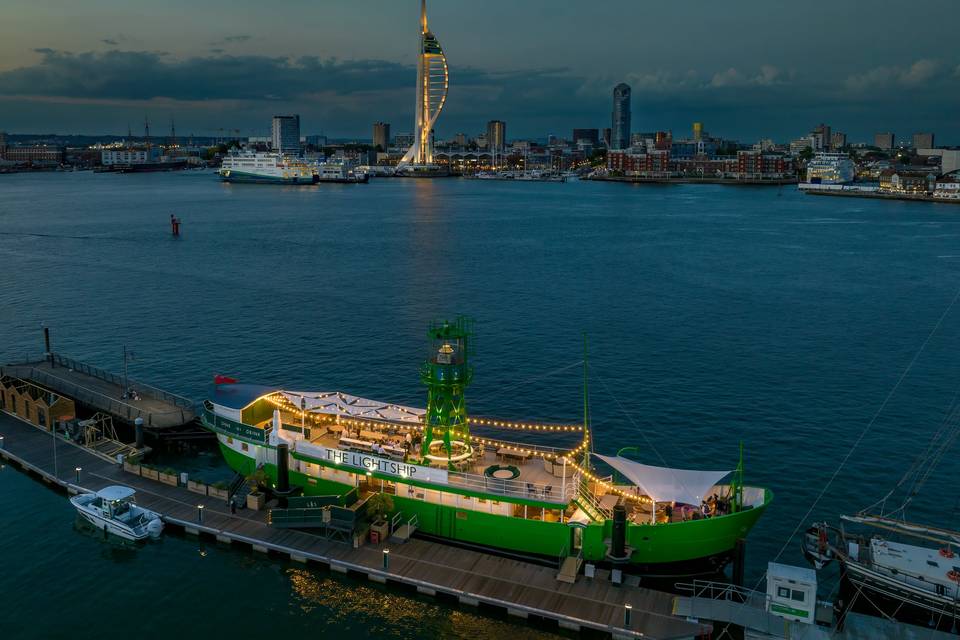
[
  {"x": 472, "y": 578},
  {"x": 125, "y": 400}
]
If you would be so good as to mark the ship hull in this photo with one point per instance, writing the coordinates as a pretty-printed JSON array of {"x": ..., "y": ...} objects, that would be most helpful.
[
  {"x": 871, "y": 592},
  {"x": 694, "y": 548},
  {"x": 243, "y": 177}
]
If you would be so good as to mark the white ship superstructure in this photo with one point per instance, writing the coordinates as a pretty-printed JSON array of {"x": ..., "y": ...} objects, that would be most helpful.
[
  {"x": 831, "y": 168},
  {"x": 265, "y": 167}
]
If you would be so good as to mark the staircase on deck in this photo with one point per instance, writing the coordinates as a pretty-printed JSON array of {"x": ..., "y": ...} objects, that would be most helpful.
[{"x": 402, "y": 531}]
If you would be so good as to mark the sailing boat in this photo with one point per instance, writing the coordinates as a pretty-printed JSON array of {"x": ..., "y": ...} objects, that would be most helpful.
[{"x": 918, "y": 583}]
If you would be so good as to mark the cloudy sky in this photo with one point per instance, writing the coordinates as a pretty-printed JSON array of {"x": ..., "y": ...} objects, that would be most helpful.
[{"x": 746, "y": 68}]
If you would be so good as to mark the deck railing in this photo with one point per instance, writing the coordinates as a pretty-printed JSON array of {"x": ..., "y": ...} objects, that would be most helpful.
[
  {"x": 145, "y": 389},
  {"x": 557, "y": 493}
]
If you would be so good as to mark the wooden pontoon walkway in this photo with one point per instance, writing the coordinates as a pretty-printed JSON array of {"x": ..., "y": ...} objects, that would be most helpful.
[
  {"x": 523, "y": 589},
  {"x": 104, "y": 391}
]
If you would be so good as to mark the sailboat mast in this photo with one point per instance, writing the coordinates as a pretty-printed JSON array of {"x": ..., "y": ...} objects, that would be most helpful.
[{"x": 586, "y": 408}]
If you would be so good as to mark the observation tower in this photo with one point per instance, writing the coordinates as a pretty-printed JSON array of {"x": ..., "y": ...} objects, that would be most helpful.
[
  {"x": 433, "y": 79},
  {"x": 447, "y": 373}
]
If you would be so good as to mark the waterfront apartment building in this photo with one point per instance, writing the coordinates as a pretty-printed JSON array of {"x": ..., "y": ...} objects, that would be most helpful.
[
  {"x": 884, "y": 141},
  {"x": 381, "y": 136},
  {"x": 285, "y": 135},
  {"x": 923, "y": 141},
  {"x": 838, "y": 140},
  {"x": 41, "y": 154},
  {"x": 620, "y": 118},
  {"x": 496, "y": 135},
  {"x": 125, "y": 157},
  {"x": 909, "y": 181},
  {"x": 657, "y": 163}
]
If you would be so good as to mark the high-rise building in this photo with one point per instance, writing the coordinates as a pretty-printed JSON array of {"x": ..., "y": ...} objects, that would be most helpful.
[
  {"x": 838, "y": 140},
  {"x": 381, "y": 136},
  {"x": 606, "y": 134},
  {"x": 589, "y": 135},
  {"x": 496, "y": 135},
  {"x": 698, "y": 131},
  {"x": 620, "y": 121},
  {"x": 923, "y": 141},
  {"x": 286, "y": 134},
  {"x": 883, "y": 140},
  {"x": 433, "y": 79},
  {"x": 821, "y": 135}
]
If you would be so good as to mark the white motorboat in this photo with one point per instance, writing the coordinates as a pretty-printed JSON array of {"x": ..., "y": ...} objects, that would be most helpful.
[{"x": 113, "y": 509}]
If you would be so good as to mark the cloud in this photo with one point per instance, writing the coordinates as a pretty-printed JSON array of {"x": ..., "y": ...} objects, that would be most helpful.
[
  {"x": 147, "y": 75},
  {"x": 768, "y": 75},
  {"x": 917, "y": 74},
  {"x": 243, "y": 37}
]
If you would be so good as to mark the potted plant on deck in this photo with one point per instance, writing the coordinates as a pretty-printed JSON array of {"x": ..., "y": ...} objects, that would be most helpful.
[
  {"x": 379, "y": 506},
  {"x": 257, "y": 496}
]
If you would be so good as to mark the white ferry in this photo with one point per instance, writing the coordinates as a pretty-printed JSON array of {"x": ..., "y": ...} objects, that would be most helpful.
[
  {"x": 266, "y": 168},
  {"x": 830, "y": 168}
]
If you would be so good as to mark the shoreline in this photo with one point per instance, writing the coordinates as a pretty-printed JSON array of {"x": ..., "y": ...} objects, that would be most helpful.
[
  {"x": 722, "y": 181},
  {"x": 878, "y": 196}
]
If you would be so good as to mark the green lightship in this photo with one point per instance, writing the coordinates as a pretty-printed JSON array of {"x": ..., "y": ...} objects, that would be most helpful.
[{"x": 461, "y": 478}]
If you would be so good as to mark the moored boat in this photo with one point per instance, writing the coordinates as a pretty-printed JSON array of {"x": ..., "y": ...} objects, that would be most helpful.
[
  {"x": 266, "y": 168},
  {"x": 456, "y": 478},
  {"x": 340, "y": 173},
  {"x": 113, "y": 510},
  {"x": 909, "y": 582}
]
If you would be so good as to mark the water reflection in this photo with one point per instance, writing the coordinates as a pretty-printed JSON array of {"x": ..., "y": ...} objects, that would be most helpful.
[{"x": 384, "y": 613}]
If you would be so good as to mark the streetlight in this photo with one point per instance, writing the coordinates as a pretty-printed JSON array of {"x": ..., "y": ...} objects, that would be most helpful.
[
  {"x": 78, "y": 470},
  {"x": 386, "y": 559},
  {"x": 627, "y": 608},
  {"x": 199, "y": 513}
]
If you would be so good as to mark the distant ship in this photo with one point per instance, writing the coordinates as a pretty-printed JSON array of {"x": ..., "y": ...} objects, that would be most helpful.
[
  {"x": 830, "y": 168},
  {"x": 266, "y": 168},
  {"x": 334, "y": 172}
]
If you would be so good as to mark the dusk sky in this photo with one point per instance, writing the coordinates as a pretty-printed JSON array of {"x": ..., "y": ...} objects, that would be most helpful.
[{"x": 747, "y": 69}]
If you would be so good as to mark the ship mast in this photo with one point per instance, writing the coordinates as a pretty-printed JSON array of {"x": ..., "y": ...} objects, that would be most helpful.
[{"x": 586, "y": 409}]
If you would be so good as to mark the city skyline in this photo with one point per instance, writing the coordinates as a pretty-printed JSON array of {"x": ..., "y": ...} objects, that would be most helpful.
[{"x": 343, "y": 67}]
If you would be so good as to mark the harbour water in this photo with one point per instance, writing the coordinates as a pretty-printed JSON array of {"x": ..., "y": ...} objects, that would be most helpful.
[{"x": 715, "y": 315}]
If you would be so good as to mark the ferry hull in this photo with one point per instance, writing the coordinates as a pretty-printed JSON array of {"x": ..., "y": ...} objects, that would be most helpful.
[
  {"x": 241, "y": 177},
  {"x": 694, "y": 548}
]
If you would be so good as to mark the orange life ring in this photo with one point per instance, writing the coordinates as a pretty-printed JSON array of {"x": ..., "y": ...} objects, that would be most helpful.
[
  {"x": 954, "y": 575},
  {"x": 947, "y": 552}
]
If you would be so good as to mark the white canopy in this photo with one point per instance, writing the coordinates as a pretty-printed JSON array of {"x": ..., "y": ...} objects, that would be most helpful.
[
  {"x": 667, "y": 485},
  {"x": 343, "y": 404},
  {"x": 115, "y": 492}
]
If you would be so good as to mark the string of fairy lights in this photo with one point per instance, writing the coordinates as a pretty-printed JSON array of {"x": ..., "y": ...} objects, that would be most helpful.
[{"x": 568, "y": 457}]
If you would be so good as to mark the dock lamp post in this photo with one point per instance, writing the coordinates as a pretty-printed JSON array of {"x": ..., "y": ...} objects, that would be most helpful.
[
  {"x": 78, "y": 470},
  {"x": 199, "y": 513},
  {"x": 627, "y": 609},
  {"x": 1, "y": 442},
  {"x": 386, "y": 559}
]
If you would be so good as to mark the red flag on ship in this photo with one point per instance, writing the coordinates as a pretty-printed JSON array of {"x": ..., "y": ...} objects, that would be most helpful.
[{"x": 219, "y": 379}]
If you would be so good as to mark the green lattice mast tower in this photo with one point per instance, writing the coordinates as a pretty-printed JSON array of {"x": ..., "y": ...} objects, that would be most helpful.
[{"x": 447, "y": 374}]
